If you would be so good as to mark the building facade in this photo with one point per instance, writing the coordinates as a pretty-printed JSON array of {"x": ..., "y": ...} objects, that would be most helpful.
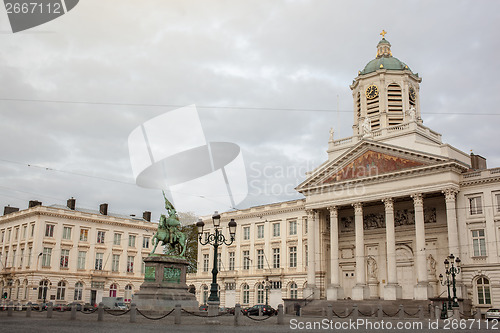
[
  {"x": 379, "y": 217},
  {"x": 64, "y": 254}
]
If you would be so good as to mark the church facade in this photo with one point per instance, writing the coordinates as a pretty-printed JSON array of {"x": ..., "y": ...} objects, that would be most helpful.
[{"x": 379, "y": 217}]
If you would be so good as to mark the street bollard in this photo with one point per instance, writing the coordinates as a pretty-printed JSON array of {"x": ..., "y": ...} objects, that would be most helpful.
[
  {"x": 177, "y": 314},
  {"x": 28, "y": 310},
  {"x": 437, "y": 312},
  {"x": 100, "y": 312},
  {"x": 260, "y": 312},
  {"x": 10, "y": 309},
  {"x": 420, "y": 312},
  {"x": 19, "y": 307},
  {"x": 281, "y": 317},
  {"x": 50, "y": 309},
  {"x": 456, "y": 313},
  {"x": 380, "y": 312},
  {"x": 237, "y": 313},
  {"x": 73, "y": 312},
  {"x": 355, "y": 312},
  {"x": 133, "y": 313},
  {"x": 478, "y": 314},
  {"x": 401, "y": 311},
  {"x": 330, "y": 312}
]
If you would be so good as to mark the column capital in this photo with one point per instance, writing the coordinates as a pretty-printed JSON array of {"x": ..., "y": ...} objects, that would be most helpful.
[
  {"x": 418, "y": 199},
  {"x": 333, "y": 210},
  {"x": 388, "y": 203},
  {"x": 450, "y": 194},
  {"x": 310, "y": 212},
  {"x": 358, "y": 208}
]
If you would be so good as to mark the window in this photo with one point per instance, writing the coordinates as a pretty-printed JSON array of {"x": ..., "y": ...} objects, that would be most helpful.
[
  {"x": 6, "y": 259},
  {"x": 305, "y": 226},
  {"x": 32, "y": 231},
  {"x": 246, "y": 233},
  {"x": 260, "y": 293},
  {"x": 145, "y": 243},
  {"x": 276, "y": 258},
  {"x": 64, "y": 258},
  {"x": 78, "y": 291},
  {"x": 46, "y": 256},
  {"x": 276, "y": 285},
  {"x": 260, "y": 231},
  {"x": 130, "y": 264},
  {"x": 49, "y": 230},
  {"x": 293, "y": 228},
  {"x": 246, "y": 294},
  {"x": 84, "y": 235},
  {"x": 61, "y": 290},
  {"x": 260, "y": 259},
  {"x": 112, "y": 290},
  {"x": 14, "y": 258},
  {"x": 3, "y": 236},
  {"x": 207, "y": 234},
  {"x": 42, "y": 290},
  {"x": 205, "y": 294},
  {"x": 66, "y": 233},
  {"x": 23, "y": 235},
  {"x": 131, "y": 240},
  {"x": 293, "y": 290},
  {"x": 16, "y": 235},
  {"x": 231, "y": 261},
  {"x": 128, "y": 293},
  {"x": 100, "y": 237},
  {"x": 497, "y": 199},
  {"x": 479, "y": 242},
  {"x": 81, "y": 259},
  {"x": 143, "y": 266},
  {"x": 9, "y": 232},
  {"x": 21, "y": 258},
  {"x": 475, "y": 206},
  {"x": 246, "y": 259},
  {"x": 115, "y": 263},
  {"x": 230, "y": 285},
  {"x": 483, "y": 291},
  {"x": 205, "y": 262},
  {"x": 293, "y": 256},
  {"x": 306, "y": 255},
  {"x": 117, "y": 239},
  {"x": 30, "y": 253},
  {"x": 219, "y": 262},
  {"x": 276, "y": 229},
  {"x": 98, "y": 261}
]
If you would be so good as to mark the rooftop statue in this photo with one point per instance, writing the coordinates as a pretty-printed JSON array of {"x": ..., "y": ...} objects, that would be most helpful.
[{"x": 169, "y": 232}]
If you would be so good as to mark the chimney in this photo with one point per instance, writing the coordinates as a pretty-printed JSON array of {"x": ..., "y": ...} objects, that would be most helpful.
[
  {"x": 71, "y": 203},
  {"x": 146, "y": 216},
  {"x": 477, "y": 162},
  {"x": 103, "y": 209},
  {"x": 34, "y": 203},
  {"x": 8, "y": 210}
]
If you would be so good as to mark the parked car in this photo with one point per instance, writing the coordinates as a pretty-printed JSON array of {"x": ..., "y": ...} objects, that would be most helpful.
[
  {"x": 203, "y": 307},
  {"x": 230, "y": 310},
  {"x": 493, "y": 314},
  {"x": 254, "y": 310},
  {"x": 61, "y": 307}
]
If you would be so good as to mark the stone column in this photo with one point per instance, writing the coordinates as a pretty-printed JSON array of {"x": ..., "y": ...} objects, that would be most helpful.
[
  {"x": 450, "y": 195},
  {"x": 311, "y": 262},
  {"x": 392, "y": 290},
  {"x": 334, "y": 290},
  {"x": 360, "y": 290},
  {"x": 422, "y": 290}
]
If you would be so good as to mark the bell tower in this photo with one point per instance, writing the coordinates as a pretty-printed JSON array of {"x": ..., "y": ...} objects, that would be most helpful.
[{"x": 385, "y": 93}]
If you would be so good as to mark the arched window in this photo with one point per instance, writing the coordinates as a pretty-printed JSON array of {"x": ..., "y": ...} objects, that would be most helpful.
[
  {"x": 42, "y": 290},
  {"x": 128, "y": 293},
  {"x": 483, "y": 290},
  {"x": 112, "y": 290},
  {"x": 78, "y": 291},
  {"x": 205, "y": 294},
  {"x": 260, "y": 293},
  {"x": 246, "y": 294},
  {"x": 293, "y": 290},
  {"x": 61, "y": 290}
]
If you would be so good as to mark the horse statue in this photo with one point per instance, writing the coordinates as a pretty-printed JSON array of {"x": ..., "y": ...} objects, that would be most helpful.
[{"x": 169, "y": 232}]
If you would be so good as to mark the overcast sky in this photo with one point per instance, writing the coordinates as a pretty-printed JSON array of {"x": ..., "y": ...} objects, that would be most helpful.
[{"x": 266, "y": 75}]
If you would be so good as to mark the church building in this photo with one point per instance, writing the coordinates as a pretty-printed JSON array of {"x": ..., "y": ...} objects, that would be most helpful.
[{"x": 378, "y": 218}]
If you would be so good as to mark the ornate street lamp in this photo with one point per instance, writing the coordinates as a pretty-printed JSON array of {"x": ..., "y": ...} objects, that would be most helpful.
[
  {"x": 215, "y": 239},
  {"x": 452, "y": 268}
]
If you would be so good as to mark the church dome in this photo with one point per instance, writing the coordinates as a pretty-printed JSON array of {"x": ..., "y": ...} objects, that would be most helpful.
[{"x": 384, "y": 60}]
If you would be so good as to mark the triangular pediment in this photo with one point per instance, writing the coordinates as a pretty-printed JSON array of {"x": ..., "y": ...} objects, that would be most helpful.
[{"x": 369, "y": 159}]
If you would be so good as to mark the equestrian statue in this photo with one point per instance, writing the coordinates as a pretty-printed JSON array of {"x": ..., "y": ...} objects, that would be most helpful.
[{"x": 169, "y": 232}]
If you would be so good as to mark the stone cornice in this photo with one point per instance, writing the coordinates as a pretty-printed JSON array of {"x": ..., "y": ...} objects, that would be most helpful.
[
  {"x": 265, "y": 210},
  {"x": 479, "y": 181}
]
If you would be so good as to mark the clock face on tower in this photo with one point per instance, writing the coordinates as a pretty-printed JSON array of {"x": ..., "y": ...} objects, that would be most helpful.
[
  {"x": 371, "y": 92},
  {"x": 412, "y": 94}
]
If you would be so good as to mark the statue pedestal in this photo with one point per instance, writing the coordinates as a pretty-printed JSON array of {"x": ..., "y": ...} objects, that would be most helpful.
[{"x": 164, "y": 285}]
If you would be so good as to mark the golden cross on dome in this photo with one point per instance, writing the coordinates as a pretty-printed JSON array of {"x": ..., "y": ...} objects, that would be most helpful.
[{"x": 383, "y": 33}]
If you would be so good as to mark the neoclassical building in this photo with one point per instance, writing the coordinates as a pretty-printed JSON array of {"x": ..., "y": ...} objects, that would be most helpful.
[
  {"x": 379, "y": 217},
  {"x": 66, "y": 254}
]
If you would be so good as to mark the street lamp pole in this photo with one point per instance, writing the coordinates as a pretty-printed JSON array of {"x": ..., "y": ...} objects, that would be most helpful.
[
  {"x": 452, "y": 268},
  {"x": 215, "y": 239}
]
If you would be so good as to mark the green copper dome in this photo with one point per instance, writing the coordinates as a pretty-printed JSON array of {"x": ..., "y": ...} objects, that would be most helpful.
[{"x": 384, "y": 60}]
